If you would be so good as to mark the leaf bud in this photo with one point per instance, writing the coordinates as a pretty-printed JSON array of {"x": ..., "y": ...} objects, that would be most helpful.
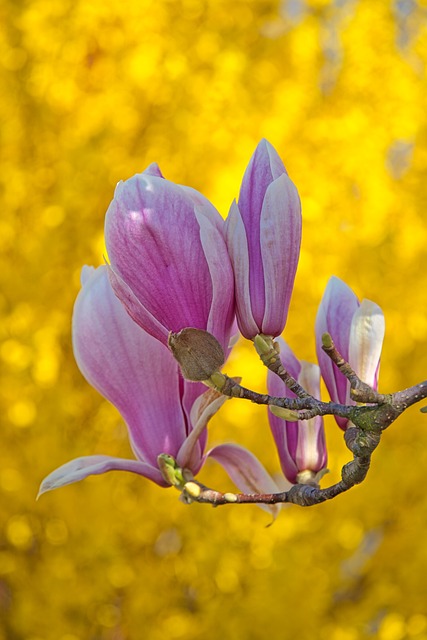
[{"x": 197, "y": 352}]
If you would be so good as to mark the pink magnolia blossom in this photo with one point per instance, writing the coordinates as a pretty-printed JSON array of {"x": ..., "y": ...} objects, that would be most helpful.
[
  {"x": 357, "y": 329},
  {"x": 164, "y": 414},
  {"x": 263, "y": 232},
  {"x": 169, "y": 261},
  {"x": 301, "y": 445}
]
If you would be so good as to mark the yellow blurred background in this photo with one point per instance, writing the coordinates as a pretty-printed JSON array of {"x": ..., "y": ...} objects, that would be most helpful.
[{"x": 92, "y": 92}]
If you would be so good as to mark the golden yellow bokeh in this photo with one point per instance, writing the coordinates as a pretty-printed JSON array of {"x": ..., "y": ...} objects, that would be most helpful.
[{"x": 92, "y": 91}]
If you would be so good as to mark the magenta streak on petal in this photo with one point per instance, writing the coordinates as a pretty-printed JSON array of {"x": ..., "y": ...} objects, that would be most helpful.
[{"x": 280, "y": 246}]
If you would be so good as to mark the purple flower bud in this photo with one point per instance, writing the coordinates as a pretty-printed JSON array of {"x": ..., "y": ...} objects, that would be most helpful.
[
  {"x": 164, "y": 414},
  {"x": 301, "y": 444},
  {"x": 263, "y": 234},
  {"x": 169, "y": 261},
  {"x": 357, "y": 330}
]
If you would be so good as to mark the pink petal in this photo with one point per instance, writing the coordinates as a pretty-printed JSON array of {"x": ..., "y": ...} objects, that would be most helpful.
[
  {"x": 128, "y": 367},
  {"x": 221, "y": 315},
  {"x": 300, "y": 445},
  {"x": 135, "y": 309},
  {"x": 280, "y": 238},
  {"x": 334, "y": 316},
  {"x": 246, "y": 471},
  {"x": 264, "y": 168},
  {"x": 153, "y": 241},
  {"x": 153, "y": 170},
  {"x": 311, "y": 450},
  {"x": 203, "y": 409},
  {"x": 81, "y": 468},
  {"x": 238, "y": 249}
]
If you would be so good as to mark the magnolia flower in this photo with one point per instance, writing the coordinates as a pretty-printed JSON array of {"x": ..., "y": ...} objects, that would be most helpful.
[
  {"x": 301, "y": 444},
  {"x": 164, "y": 414},
  {"x": 357, "y": 329},
  {"x": 169, "y": 261},
  {"x": 263, "y": 233}
]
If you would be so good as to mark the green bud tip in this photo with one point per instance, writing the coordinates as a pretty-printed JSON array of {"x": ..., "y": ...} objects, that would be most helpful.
[
  {"x": 230, "y": 497},
  {"x": 263, "y": 344},
  {"x": 217, "y": 380},
  {"x": 170, "y": 470},
  {"x": 284, "y": 414},
  {"x": 327, "y": 341},
  {"x": 192, "y": 489}
]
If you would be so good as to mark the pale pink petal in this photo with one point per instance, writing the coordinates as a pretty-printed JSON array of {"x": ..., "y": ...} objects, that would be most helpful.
[
  {"x": 301, "y": 445},
  {"x": 203, "y": 409},
  {"x": 83, "y": 467},
  {"x": 311, "y": 450},
  {"x": 153, "y": 169},
  {"x": 246, "y": 471},
  {"x": 238, "y": 249}
]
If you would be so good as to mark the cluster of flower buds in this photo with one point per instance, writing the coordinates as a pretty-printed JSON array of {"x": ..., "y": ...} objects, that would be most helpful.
[{"x": 175, "y": 267}]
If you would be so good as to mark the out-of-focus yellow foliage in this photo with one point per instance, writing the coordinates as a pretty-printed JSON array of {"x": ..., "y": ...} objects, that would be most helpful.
[{"x": 93, "y": 91}]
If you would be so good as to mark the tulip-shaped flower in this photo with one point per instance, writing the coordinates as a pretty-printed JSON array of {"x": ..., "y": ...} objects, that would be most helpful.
[
  {"x": 301, "y": 444},
  {"x": 357, "y": 329},
  {"x": 169, "y": 261},
  {"x": 164, "y": 413},
  {"x": 263, "y": 234}
]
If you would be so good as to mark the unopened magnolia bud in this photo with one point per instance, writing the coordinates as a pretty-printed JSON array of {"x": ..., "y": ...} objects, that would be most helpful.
[
  {"x": 198, "y": 353},
  {"x": 230, "y": 497},
  {"x": 170, "y": 470},
  {"x": 284, "y": 414}
]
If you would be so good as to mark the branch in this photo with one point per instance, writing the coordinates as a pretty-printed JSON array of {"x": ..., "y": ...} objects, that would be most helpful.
[
  {"x": 304, "y": 495},
  {"x": 362, "y": 436}
]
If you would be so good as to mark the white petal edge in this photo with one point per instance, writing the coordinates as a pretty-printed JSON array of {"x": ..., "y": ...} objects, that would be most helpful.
[{"x": 366, "y": 339}]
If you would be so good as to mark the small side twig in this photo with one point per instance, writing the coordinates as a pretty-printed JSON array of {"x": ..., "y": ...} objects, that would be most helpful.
[
  {"x": 269, "y": 352},
  {"x": 359, "y": 390}
]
